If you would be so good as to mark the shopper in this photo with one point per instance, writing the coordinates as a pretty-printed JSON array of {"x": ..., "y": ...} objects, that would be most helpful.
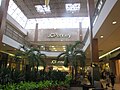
[
  {"x": 112, "y": 78},
  {"x": 107, "y": 81}
]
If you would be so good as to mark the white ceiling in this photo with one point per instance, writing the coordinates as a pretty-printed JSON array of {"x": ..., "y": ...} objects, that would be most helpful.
[{"x": 57, "y": 8}]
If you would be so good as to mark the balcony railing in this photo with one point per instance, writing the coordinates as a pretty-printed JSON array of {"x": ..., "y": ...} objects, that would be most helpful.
[
  {"x": 98, "y": 9},
  {"x": 86, "y": 36},
  {"x": 11, "y": 32}
]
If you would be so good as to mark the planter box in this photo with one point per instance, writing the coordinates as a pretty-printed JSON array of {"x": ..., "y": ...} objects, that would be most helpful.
[{"x": 76, "y": 88}]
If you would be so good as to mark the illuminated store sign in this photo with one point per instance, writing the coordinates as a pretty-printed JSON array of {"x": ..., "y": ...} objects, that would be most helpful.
[
  {"x": 57, "y": 62},
  {"x": 55, "y": 35}
]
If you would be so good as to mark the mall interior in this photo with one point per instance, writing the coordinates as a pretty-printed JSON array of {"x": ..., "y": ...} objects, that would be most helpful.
[{"x": 51, "y": 27}]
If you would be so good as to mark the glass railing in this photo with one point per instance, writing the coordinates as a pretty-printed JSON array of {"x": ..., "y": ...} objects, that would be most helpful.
[
  {"x": 98, "y": 8},
  {"x": 86, "y": 36},
  {"x": 17, "y": 36}
]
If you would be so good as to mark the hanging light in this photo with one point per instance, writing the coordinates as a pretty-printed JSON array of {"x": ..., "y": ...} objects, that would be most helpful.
[{"x": 47, "y": 2}]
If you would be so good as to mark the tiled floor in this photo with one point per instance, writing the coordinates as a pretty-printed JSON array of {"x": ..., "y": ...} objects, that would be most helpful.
[{"x": 116, "y": 87}]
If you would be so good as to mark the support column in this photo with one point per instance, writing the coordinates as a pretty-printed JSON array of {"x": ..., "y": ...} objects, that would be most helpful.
[
  {"x": 3, "y": 15},
  {"x": 93, "y": 44},
  {"x": 93, "y": 41},
  {"x": 95, "y": 54},
  {"x": 36, "y": 33},
  {"x": 80, "y": 32},
  {"x": 91, "y": 9}
]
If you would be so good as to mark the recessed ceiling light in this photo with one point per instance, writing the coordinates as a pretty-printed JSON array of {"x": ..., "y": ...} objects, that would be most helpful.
[
  {"x": 114, "y": 22},
  {"x": 63, "y": 46},
  {"x": 43, "y": 9},
  {"x": 52, "y": 46},
  {"x": 101, "y": 36},
  {"x": 64, "y": 50},
  {"x": 42, "y": 46},
  {"x": 72, "y": 7}
]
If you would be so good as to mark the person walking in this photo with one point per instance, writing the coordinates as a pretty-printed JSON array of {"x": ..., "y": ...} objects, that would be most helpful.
[
  {"x": 107, "y": 81},
  {"x": 112, "y": 78}
]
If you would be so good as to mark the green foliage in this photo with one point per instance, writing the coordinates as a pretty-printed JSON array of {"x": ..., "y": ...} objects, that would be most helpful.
[
  {"x": 70, "y": 56},
  {"x": 54, "y": 80},
  {"x": 66, "y": 61},
  {"x": 56, "y": 75},
  {"x": 32, "y": 56},
  {"x": 34, "y": 85},
  {"x": 67, "y": 81},
  {"x": 26, "y": 86},
  {"x": 73, "y": 56},
  {"x": 5, "y": 75}
]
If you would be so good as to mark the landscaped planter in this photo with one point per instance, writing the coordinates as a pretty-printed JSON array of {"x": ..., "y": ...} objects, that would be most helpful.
[{"x": 76, "y": 88}]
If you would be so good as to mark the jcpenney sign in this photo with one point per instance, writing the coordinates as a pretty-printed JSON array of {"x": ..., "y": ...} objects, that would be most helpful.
[
  {"x": 56, "y": 35},
  {"x": 57, "y": 62}
]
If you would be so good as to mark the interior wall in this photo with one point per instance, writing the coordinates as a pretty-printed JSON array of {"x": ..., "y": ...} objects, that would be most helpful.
[{"x": 117, "y": 65}]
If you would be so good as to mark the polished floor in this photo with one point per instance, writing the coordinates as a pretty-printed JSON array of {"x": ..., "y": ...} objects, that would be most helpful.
[{"x": 116, "y": 87}]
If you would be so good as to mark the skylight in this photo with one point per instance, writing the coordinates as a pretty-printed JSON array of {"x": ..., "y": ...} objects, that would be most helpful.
[
  {"x": 43, "y": 8},
  {"x": 47, "y": 23},
  {"x": 73, "y": 7},
  {"x": 16, "y": 13}
]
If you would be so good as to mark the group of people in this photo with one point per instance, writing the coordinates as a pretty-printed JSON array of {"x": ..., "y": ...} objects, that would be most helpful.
[{"x": 110, "y": 79}]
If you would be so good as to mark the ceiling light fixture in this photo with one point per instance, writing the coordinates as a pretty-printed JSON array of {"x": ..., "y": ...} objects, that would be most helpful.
[
  {"x": 64, "y": 50},
  {"x": 114, "y": 22},
  {"x": 109, "y": 52},
  {"x": 55, "y": 50},
  {"x": 63, "y": 46},
  {"x": 53, "y": 46},
  {"x": 101, "y": 36},
  {"x": 42, "y": 46},
  {"x": 43, "y": 9},
  {"x": 72, "y": 7}
]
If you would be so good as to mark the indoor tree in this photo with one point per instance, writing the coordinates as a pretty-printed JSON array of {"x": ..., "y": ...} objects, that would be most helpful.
[
  {"x": 32, "y": 56},
  {"x": 73, "y": 55}
]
